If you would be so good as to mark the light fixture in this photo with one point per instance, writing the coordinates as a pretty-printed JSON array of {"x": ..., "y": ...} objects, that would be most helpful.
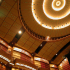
[
  {"x": 20, "y": 32},
  {"x": 1, "y": 41},
  {"x": 58, "y": 3},
  {"x": 38, "y": 59},
  {"x": 25, "y": 66},
  {"x": 4, "y": 58},
  {"x": 53, "y": 66},
  {"x": 41, "y": 45},
  {"x": 11, "y": 63},
  {"x": 57, "y": 9},
  {"x": 56, "y": 54}
]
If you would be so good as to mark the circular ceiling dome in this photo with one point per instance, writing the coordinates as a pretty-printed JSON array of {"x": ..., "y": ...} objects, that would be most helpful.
[
  {"x": 54, "y": 12},
  {"x": 46, "y": 17}
]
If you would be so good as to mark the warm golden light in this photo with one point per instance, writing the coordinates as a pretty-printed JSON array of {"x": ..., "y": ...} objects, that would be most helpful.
[
  {"x": 56, "y": 9},
  {"x": 34, "y": 14},
  {"x": 61, "y": 65},
  {"x": 19, "y": 32},
  {"x": 58, "y": 3},
  {"x": 59, "y": 6}
]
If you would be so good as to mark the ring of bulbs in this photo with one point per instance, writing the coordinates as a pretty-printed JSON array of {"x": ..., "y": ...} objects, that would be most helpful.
[{"x": 58, "y": 3}]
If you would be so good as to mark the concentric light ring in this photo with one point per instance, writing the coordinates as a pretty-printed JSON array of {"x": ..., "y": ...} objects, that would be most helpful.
[{"x": 49, "y": 16}]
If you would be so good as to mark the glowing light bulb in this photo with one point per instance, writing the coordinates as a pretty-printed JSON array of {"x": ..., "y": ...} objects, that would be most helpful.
[
  {"x": 20, "y": 32},
  {"x": 56, "y": 54},
  {"x": 58, "y": 3}
]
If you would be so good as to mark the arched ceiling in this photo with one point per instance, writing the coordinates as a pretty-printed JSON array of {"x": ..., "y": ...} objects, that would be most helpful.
[{"x": 47, "y": 18}]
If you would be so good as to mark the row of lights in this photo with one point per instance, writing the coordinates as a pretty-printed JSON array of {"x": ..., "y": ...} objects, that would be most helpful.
[
  {"x": 63, "y": 61},
  {"x": 52, "y": 17},
  {"x": 1, "y": 56},
  {"x": 49, "y": 17},
  {"x": 11, "y": 63},
  {"x": 20, "y": 50},
  {"x": 25, "y": 66},
  {"x": 2, "y": 42},
  {"x": 47, "y": 38},
  {"x": 5, "y": 44},
  {"x": 41, "y": 59},
  {"x": 16, "y": 49}
]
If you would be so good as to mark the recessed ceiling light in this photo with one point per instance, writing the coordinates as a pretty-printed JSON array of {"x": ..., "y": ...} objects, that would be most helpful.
[
  {"x": 41, "y": 45},
  {"x": 58, "y": 3},
  {"x": 56, "y": 54},
  {"x": 19, "y": 32}
]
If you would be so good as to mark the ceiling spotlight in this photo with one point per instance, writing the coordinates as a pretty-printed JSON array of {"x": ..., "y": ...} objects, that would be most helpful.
[
  {"x": 19, "y": 32},
  {"x": 41, "y": 45},
  {"x": 58, "y": 3},
  {"x": 56, "y": 54}
]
